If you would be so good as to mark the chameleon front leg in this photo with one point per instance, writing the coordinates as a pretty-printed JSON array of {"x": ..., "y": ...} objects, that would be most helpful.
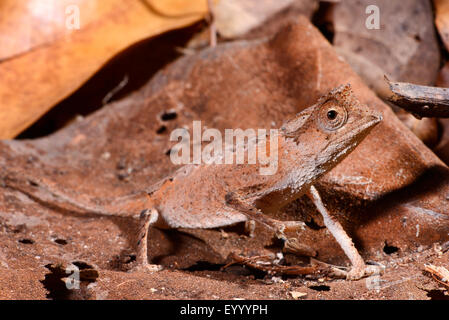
[
  {"x": 148, "y": 218},
  {"x": 235, "y": 201},
  {"x": 359, "y": 269}
]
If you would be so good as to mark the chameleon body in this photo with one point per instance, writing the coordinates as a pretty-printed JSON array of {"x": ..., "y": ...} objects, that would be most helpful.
[
  {"x": 216, "y": 195},
  {"x": 309, "y": 145}
]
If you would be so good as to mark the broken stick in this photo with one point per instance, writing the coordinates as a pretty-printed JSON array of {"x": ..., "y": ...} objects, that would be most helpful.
[
  {"x": 265, "y": 264},
  {"x": 439, "y": 274},
  {"x": 421, "y": 101}
]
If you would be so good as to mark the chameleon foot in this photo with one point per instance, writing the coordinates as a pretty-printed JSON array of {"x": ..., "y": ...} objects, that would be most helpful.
[
  {"x": 358, "y": 273},
  {"x": 293, "y": 245},
  {"x": 287, "y": 226},
  {"x": 147, "y": 219},
  {"x": 146, "y": 267},
  {"x": 358, "y": 269},
  {"x": 250, "y": 228}
]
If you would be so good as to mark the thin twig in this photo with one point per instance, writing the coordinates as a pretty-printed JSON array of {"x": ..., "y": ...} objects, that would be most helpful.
[
  {"x": 262, "y": 263},
  {"x": 114, "y": 91},
  {"x": 212, "y": 26},
  {"x": 439, "y": 274}
]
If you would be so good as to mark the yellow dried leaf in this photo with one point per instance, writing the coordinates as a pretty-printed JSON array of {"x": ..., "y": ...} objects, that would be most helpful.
[{"x": 41, "y": 69}]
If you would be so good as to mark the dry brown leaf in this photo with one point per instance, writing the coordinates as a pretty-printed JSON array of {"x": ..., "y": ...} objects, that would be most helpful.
[
  {"x": 405, "y": 47},
  {"x": 442, "y": 20},
  {"x": 39, "y": 73},
  {"x": 372, "y": 74},
  {"x": 426, "y": 129}
]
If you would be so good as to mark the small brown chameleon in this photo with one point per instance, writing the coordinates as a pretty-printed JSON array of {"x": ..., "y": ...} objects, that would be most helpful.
[{"x": 216, "y": 195}]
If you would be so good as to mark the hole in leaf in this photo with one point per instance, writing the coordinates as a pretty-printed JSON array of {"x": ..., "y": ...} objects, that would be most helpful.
[
  {"x": 320, "y": 288},
  {"x": 61, "y": 241},
  {"x": 33, "y": 184},
  {"x": 83, "y": 265},
  {"x": 59, "y": 289},
  {"x": 161, "y": 130},
  {"x": 389, "y": 249},
  {"x": 26, "y": 241},
  {"x": 169, "y": 115},
  {"x": 56, "y": 287}
]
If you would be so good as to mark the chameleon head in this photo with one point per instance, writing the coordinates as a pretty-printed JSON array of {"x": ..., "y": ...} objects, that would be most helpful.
[{"x": 332, "y": 127}]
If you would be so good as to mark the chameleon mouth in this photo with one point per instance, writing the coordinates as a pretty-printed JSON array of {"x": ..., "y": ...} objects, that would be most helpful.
[
  {"x": 362, "y": 130},
  {"x": 375, "y": 120}
]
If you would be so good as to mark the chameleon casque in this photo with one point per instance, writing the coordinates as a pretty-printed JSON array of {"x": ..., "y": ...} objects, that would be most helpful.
[{"x": 216, "y": 195}]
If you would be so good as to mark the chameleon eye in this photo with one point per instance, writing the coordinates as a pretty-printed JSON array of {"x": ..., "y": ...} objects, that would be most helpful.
[{"x": 331, "y": 116}]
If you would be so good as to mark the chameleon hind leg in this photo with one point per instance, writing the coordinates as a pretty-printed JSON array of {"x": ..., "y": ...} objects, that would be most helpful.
[
  {"x": 359, "y": 269},
  {"x": 148, "y": 218},
  {"x": 292, "y": 245}
]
